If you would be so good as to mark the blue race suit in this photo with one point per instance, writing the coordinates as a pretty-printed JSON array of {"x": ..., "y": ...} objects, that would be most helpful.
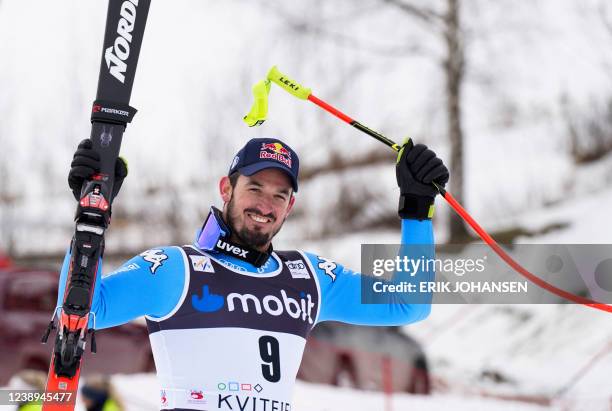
[{"x": 227, "y": 335}]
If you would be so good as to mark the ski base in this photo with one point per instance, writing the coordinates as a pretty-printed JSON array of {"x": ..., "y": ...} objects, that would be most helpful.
[{"x": 62, "y": 390}]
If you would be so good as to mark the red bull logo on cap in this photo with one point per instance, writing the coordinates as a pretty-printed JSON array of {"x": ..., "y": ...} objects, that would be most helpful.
[{"x": 278, "y": 153}]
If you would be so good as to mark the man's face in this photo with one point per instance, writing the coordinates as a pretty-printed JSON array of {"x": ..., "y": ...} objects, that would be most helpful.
[{"x": 256, "y": 208}]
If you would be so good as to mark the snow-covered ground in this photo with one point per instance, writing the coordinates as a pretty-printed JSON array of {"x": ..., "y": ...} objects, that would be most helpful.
[
  {"x": 522, "y": 60},
  {"x": 555, "y": 351}
]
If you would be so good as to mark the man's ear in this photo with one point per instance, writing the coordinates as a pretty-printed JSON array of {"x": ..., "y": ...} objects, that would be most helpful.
[
  {"x": 225, "y": 189},
  {"x": 291, "y": 202}
]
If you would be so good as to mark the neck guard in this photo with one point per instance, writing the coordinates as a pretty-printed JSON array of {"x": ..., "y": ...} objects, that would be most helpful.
[{"x": 215, "y": 236}]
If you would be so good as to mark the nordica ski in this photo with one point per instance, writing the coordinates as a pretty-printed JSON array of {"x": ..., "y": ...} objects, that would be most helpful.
[{"x": 125, "y": 24}]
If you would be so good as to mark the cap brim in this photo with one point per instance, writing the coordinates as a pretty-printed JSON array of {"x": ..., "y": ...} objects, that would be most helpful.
[{"x": 262, "y": 165}]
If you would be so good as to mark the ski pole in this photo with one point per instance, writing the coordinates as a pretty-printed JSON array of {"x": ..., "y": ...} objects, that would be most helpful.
[{"x": 257, "y": 116}]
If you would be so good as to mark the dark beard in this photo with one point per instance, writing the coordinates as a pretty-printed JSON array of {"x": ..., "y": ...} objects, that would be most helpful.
[{"x": 254, "y": 239}]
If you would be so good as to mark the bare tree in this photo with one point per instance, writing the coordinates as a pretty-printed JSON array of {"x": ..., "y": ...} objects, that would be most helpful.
[
  {"x": 8, "y": 201},
  {"x": 606, "y": 20},
  {"x": 454, "y": 65},
  {"x": 590, "y": 129},
  {"x": 448, "y": 27}
]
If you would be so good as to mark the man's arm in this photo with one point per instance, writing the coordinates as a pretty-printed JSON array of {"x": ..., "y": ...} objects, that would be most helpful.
[
  {"x": 151, "y": 283},
  {"x": 341, "y": 288}
]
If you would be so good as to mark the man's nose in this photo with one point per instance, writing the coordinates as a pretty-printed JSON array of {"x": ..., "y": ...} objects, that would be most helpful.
[{"x": 265, "y": 204}]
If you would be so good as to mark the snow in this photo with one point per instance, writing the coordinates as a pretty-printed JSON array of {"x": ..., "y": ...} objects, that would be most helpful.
[{"x": 193, "y": 87}]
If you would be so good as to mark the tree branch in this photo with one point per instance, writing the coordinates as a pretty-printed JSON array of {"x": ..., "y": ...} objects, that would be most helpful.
[
  {"x": 336, "y": 164},
  {"x": 603, "y": 11},
  {"x": 343, "y": 40},
  {"x": 424, "y": 14},
  {"x": 302, "y": 26}
]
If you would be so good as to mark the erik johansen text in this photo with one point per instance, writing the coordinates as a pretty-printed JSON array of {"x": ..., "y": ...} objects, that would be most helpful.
[{"x": 451, "y": 287}]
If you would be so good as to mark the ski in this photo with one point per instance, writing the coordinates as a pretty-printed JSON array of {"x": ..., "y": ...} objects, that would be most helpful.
[{"x": 111, "y": 112}]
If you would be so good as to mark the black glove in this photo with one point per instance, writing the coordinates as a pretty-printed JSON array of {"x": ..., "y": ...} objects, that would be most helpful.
[
  {"x": 85, "y": 163},
  {"x": 416, "y": 168}
]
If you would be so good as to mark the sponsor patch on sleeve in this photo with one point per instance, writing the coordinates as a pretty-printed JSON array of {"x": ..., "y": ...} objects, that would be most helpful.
[
  {"x": 155, "y": 257},
  {"x": 329, "y": 267}
]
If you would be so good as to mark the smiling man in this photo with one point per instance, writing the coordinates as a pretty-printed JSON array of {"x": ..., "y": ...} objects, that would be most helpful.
[{"x": 228, "y": 316}]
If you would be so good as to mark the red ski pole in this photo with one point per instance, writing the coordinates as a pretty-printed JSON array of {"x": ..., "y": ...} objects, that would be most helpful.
[{"x": 258, "y": 113}]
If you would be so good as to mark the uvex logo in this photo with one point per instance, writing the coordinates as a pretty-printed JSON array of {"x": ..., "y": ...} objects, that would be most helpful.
[
  {"x": 116, "y": 55},
  {"x": 233, "y": 249}
]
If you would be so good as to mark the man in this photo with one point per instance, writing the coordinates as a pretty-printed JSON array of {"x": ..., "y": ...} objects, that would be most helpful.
[{"x": 228, "y": 316}]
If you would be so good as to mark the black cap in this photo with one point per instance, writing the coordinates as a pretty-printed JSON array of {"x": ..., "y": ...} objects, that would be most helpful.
[{"x": 261, "y": 153}]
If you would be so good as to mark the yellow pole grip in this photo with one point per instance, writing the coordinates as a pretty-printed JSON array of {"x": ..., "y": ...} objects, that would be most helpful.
[
  {"x": 291, "y": 86},
  {"x": 259, "y": 109}
]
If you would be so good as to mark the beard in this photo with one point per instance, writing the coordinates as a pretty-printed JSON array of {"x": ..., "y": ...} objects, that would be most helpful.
[{"x": 245, "y": 236}]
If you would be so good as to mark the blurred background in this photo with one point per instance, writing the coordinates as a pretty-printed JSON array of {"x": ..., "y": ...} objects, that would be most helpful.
[{"x": 516, "y": 97}]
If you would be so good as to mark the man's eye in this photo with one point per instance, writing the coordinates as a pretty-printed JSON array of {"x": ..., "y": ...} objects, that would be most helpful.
[
  {"x": 280, "y": 197},
  {"x": 254, "y": 189}
]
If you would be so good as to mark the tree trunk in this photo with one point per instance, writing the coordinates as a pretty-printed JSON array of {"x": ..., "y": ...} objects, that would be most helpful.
[{"x": 454, "y": 70}]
